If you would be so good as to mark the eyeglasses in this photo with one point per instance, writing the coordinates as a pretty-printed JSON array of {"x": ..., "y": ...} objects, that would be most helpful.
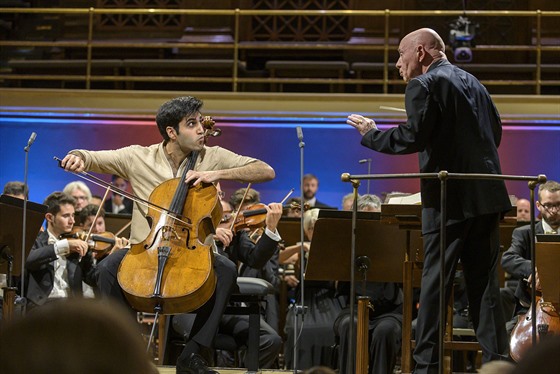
[
  {"x": 550, "y": 207},
  {"x": 80, "y": 197}
]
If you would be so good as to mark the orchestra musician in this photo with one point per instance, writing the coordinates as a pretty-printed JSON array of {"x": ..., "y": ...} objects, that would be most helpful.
[
  {"x": 179, "y": 122},
  {"x": 87, "y": 217},
  {"x": 56, "y": 267},
  {"x": 517, "y": 259},
  {"x": 454, "y": 126}
]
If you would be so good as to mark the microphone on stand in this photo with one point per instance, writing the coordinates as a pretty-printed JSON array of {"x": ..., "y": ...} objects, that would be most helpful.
[
  {"x": 300, "y": 309},
  {"x": 363, "y": 161},
  {"x": 30, "y": 142}
]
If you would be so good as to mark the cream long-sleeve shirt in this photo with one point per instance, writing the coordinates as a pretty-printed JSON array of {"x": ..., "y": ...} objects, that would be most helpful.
[{"x": 147, "y": 167}]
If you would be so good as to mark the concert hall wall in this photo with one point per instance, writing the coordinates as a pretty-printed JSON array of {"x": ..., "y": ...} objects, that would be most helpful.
[{"x": 331, "y": 148}]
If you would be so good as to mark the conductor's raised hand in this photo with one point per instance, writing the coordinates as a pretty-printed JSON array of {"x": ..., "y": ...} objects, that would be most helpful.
[
  {"x": 361, "y": 123},
  {"x": 73, "y": 163}
]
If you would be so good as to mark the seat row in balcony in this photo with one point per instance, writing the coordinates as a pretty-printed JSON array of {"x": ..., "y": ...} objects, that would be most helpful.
[{"x": 215, "y": 74}]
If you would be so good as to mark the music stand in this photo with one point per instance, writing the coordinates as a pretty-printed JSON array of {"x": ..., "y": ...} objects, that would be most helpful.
[
  {"x": 115, "y": 222},
  {"x": 548, "y": 257},
  {"x": 329, "y": 254},
  {"x": 379, "y": 253},
  {"x": 11, "y": 217}
]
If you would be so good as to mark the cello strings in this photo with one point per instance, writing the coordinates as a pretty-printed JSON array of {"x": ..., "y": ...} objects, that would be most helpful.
[{"x": 101, "y": 183}]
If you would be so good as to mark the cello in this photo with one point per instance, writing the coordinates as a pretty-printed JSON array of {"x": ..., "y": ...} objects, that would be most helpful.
[{"x": 172, "y": 270}]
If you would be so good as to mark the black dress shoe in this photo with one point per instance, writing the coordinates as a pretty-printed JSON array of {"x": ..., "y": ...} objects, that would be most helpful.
[{"x": 195, "y": 365}]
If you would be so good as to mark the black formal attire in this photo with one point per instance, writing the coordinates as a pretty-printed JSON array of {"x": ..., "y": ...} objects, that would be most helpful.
[
  {"x": 108, "y": 206},
  {"x": 385, "y": 326},
  {"x": 269, "y": 272},
  {"x": 243, "y": 250},
  {"x": 321, "y": 205},
  {"x": 315, "y": 328},
  {"x": 40, "y": 271},
  {"x": 453, "y": 125}
]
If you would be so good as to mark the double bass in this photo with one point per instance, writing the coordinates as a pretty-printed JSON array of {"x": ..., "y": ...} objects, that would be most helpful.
[{"x": 172, "y": 271}]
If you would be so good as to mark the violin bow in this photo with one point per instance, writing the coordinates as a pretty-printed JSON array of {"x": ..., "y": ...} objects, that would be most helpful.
[
  {"x": 101, "y": 183},
  {"x": 97, "y": 214},
  {"x": 239, "y": 207},
  {"x": 287, "y": 195}
]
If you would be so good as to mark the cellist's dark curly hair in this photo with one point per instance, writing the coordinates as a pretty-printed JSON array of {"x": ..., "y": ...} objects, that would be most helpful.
[{"x": 173, "y": 112}]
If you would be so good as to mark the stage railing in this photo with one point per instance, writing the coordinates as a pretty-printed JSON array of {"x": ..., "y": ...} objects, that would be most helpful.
[
  {"x": 443, "y": 176},
  {"x": 538, "y": 48}
]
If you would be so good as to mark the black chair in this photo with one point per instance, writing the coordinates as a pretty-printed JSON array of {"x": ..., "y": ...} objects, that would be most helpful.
[{"x": 252, "y": 292}]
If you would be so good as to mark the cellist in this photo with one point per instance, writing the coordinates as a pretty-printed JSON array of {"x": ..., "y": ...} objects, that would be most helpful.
[
  {"x": 179, "y": 122},
  {"x": 517, "y": 259}
]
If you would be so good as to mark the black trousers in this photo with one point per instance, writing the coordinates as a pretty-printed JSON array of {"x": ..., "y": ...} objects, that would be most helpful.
[
  {"x": 475, "y": 242},
  {"x": 208, "y": 316},
  {"x": 385, "y": 332}
]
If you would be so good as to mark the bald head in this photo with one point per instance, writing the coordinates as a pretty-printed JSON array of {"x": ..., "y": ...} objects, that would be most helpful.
[
  {"x": 430, "y": 40},
  {"x": 417, "y": 51}
]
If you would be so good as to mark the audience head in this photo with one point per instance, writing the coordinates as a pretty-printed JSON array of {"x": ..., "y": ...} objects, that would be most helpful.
[
  {"x": 523, "y": 210},
  {"x": 549, "y": 203},
  {"x": 496, "y": 367},
  {"x": 172, "y": 112},
  {"x": 85, "y": 336},
  {"x": 310, "y": 186},
  {"x": 60, "y": 213},
  {"x": 369, "y": 203},
  {"x": 80, "y": 192},
  {"x": 543, "y": 358},
  {"x": 348, "y": 201},
  {"x": 16, "y": 189}
]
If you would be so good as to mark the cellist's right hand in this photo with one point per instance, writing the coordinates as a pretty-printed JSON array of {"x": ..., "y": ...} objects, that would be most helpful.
[{"x": 73, "y": 163}]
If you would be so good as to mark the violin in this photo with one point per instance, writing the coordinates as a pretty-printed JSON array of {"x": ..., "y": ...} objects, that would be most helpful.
[
  {"x": 101, "y": 243},
  {"x": 252, "y": 217}
]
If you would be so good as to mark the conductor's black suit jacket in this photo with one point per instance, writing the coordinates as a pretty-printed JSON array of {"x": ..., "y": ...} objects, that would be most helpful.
[
  {"x": 39, "y": 267},
  {"x": 454, "y": 126}
]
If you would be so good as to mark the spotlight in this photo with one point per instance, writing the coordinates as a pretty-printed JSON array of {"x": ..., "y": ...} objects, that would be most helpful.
[{"x": 461, "y": 38}]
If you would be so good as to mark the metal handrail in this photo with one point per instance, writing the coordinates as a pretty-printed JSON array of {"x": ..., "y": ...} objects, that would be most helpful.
[{"x": 90, "y": 44}]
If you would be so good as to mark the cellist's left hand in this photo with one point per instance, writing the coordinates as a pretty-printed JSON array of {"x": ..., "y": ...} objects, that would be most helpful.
[{"x": 202, "y": 176}]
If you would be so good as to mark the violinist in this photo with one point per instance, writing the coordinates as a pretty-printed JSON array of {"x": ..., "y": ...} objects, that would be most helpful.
[
  {"x": 113, "y": 243},
  {"x": 179, "y": 122},
  {"x": 55, "y": 268},
  {"x": 517, "y": 259}
]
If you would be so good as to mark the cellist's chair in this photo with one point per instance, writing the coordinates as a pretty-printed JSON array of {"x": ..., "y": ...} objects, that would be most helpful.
[{"x": 252, "y": 292}]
